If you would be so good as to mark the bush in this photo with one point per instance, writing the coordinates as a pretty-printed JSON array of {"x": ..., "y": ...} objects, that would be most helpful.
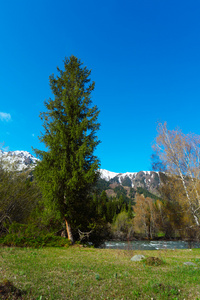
[
  {"x": 19, "y": 196},
  {"x": 123, "y": 226},
  {"x": 29, "y": 236}
]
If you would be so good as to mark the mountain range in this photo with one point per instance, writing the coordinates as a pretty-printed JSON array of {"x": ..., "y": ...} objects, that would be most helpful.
[{"x": 147, "y": 180}]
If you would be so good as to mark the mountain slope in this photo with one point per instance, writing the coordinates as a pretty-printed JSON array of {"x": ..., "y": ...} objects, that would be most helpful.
[{"x": 148, "y": 180}]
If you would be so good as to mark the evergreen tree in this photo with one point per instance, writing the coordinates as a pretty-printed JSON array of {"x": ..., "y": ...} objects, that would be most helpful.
[
  {"x": 130, "y": 210},
  {"x": 68, "y": 169}
]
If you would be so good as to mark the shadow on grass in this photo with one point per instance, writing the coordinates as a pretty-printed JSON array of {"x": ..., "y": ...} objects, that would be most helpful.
[{"x": 9, "y": 291}]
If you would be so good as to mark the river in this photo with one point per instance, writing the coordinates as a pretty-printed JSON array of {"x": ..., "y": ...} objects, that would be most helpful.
[{"x": 149, "y": 245}]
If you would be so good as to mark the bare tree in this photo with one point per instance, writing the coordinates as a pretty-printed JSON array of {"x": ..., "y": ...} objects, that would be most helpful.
[
  {"x": 145, "y": 220},
  {"x": 180, "y": 155}
]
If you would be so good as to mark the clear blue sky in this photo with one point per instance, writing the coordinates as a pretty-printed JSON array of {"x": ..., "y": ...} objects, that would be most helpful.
[{"x": 145, "y": 61}]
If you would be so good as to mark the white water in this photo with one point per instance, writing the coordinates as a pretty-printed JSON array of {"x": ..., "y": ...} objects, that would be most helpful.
[{"x": 149, "y": 245}]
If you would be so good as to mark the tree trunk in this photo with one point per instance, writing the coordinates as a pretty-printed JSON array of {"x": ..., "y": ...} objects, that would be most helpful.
[{"x": 69, "y": 231}]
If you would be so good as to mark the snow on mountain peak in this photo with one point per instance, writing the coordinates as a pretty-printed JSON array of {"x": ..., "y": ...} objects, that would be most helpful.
[
  {"x": 23, "y": 160},
  {"x": 107, "y": 175},
  {"x": 20, "y": 160}
]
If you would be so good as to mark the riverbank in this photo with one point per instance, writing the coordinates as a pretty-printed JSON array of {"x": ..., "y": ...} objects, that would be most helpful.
[{"x": 88, "y": 273}]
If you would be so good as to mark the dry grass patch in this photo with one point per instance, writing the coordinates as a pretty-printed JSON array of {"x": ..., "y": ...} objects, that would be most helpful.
[{"x": 153, "y": 261}]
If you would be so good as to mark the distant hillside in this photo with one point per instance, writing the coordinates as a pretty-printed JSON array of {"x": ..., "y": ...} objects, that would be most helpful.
[{"x": 148, "y": 181}]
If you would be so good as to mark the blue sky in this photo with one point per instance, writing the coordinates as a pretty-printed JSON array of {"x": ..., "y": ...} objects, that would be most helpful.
[{"x": 145, "y": 61}]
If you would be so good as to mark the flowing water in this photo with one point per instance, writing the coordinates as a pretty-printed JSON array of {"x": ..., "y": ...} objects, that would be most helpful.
[{"x": 149, "y": 245}]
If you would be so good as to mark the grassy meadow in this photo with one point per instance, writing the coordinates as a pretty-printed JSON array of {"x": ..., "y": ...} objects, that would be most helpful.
[{"x": 87, "y": 273}]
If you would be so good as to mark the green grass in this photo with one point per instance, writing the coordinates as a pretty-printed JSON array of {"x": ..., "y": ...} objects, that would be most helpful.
[{"x": 87, "y": 273}]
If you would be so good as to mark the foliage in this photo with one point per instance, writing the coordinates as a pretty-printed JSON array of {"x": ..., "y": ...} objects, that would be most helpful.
[
  {"x": 179, "y": 155},
  {"x": 132, "y": 193},
  {"x": 146, "y": 216},
  {"x": 101, "y": 186},
  {"x": 67, "y": 172},
  {"x": 100, "y": 232},
  {"x": 109, "y": 208},
  {"x": 120, "y": 191},
  {"x": 19, "y": 196},
  {"x": 45, "y": 218},
  {"x": 47, "y": 240},
  {"x": 123, "y": 226},
  {"x": 130, "y": 210},
  {"x": 29, "y": 236},
  {"x": 177, "y": 221},
  {"x": 146, "y": 193}
]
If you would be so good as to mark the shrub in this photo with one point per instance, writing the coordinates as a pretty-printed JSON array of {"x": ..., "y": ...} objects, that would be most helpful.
[
  {"x": 123, "y": 226},
  {"x": 29, "y": 236}
]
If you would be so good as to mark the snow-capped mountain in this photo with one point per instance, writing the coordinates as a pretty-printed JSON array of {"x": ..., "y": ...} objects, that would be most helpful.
[
  {"x": 148, "y": 180},
  {"x": 18, "y": 160},
  {"x": 107, "y": 175}
]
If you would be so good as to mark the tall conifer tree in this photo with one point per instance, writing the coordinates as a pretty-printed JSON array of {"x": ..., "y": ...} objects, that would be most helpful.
[{"x": 68, "y": 169}]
